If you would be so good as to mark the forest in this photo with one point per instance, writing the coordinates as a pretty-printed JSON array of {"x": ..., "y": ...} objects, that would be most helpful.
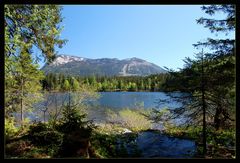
[
  {"x": 209, "y": 80},
  {"x": 132, "y": 83}
]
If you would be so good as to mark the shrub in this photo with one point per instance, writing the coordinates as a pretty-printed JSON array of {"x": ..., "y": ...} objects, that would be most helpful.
[
  {"x": 41, "y": 135},
  {"x": 134, "y": 120},
  {"x": 111, "y": 116},
  {"x": 10, "y": 129},
  {"x": 37, "y": 127},
  {"x": 72, "y": 120},
  {"x": 104, "y": 145},
  {"x": 77, "y": 133}
]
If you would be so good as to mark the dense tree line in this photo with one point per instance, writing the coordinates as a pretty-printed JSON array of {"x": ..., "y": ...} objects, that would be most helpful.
[{"x": 100, "y": 83}]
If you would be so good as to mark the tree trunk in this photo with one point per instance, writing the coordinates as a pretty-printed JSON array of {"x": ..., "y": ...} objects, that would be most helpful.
[
  {"x": 22, "y": 111},
  {"x": 217, "y": 120},
  {"x": 204, "y": 111},
  {"x": 44, "y": 116},
  {"x": 22, "y": 117}
]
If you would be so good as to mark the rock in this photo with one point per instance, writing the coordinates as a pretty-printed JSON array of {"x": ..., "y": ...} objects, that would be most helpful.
[{"x": 125, "y": 130}]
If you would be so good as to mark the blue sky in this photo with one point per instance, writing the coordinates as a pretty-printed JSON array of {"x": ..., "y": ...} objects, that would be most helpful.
[{"x": 161, "y": 34}]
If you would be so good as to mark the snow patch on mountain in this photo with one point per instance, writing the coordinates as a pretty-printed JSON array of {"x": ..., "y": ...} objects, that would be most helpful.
[{"x": 63, "y": 59}]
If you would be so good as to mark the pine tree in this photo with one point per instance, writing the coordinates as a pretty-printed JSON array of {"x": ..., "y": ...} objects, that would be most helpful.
[
  {"x": 149, "y": 83},
  {"x": 142, "y": 85},
  {"x": 209, "y": 77},
  {"x": 75, "y": 86},
  {"x": 27, "y": 76},
  {"x": 222, "y": 58},
  {"x": 66, "y": 85}
]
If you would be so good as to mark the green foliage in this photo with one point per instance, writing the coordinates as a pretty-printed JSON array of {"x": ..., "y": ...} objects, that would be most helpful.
[
  {"x": 134, "y": 120},
  {"x": 75, "y": 85},
  {"x": 36, "y": 25},
  {"x": 10, "y": 128},
  {"x": 225, "y": 137},
  {"x": 64, "y": 139},
  {"x": 23, "y": 82},
  {"x": 66, "y": 86},
  {"x": 72, "y": 120},
  {"x": 221, "y": 63},
  {"x": 210, "y": 77},
  {"x": 219, "y": 138},
  {"x": 77, "y": 132},
  {"x": 110, "y": 128},
  {"x": 103, "y": 83},
  {"x": 214, "y": 25},
  {"x": 104, "y": 144},
  {"x": 159, "y": 115},
  {"x": 38, "y": 153},
  {"x": 42, "y": 135},
  {"x": 27, "y": 27},
  {"x": 108, "y": 142},
  {"x": 193, "y": 132},
  {"x": 38, "y": 127}
]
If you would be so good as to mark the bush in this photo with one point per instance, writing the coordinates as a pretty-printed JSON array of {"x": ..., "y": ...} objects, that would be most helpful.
[
  {"x": 225, "y": 137},
  {"x": 37, "y": 127},
  {"x": 41, "y": 135},
  {"x": 77, "y": 133},
  {"x": 104, "y": 145},
  {"x": 72, "y": 120},
  {"x": 10, "y": 129},
  {"x": 134, "y": 120}
]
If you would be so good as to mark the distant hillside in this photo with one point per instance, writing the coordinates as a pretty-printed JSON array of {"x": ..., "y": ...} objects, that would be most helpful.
[{"x": 73, "y": 65}]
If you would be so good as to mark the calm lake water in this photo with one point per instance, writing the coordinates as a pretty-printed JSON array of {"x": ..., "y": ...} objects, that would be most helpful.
[
  {"x": 152, "y": 144},
  {"x": 119, "y": 100},
  {"x": 114, "y": 101}
]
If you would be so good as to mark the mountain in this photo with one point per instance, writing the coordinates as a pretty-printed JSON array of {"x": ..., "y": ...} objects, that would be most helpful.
[{"x": 73, "y": 65}]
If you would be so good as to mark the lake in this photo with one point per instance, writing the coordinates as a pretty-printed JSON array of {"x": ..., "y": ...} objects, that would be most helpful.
[
  {"x": 98, "y": 109},
  {"x": 119, "y": 100},
  {"x": 152, "y": 144},
  {"x": 114, "y": 101}
]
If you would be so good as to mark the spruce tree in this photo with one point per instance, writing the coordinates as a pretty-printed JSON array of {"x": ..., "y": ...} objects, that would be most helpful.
[
  {"x": 75, "y": 86},
  {"x": 27, "y": 76},
  {"x": 222, "y": 58}
]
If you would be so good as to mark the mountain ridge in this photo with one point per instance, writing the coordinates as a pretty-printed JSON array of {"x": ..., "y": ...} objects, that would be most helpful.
[{"x": 75, "y": 65}]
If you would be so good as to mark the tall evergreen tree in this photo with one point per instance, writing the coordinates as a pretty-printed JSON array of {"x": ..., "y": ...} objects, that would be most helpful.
[
  {"x": 75, "y": 86},
  {"x": 66, "y": 85},
  {"x": 26, "y": 27},
  {"x": 209, "y": 78},
  {"x": 27, "y": 77},
  {"x": 222, "y": 58}
]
